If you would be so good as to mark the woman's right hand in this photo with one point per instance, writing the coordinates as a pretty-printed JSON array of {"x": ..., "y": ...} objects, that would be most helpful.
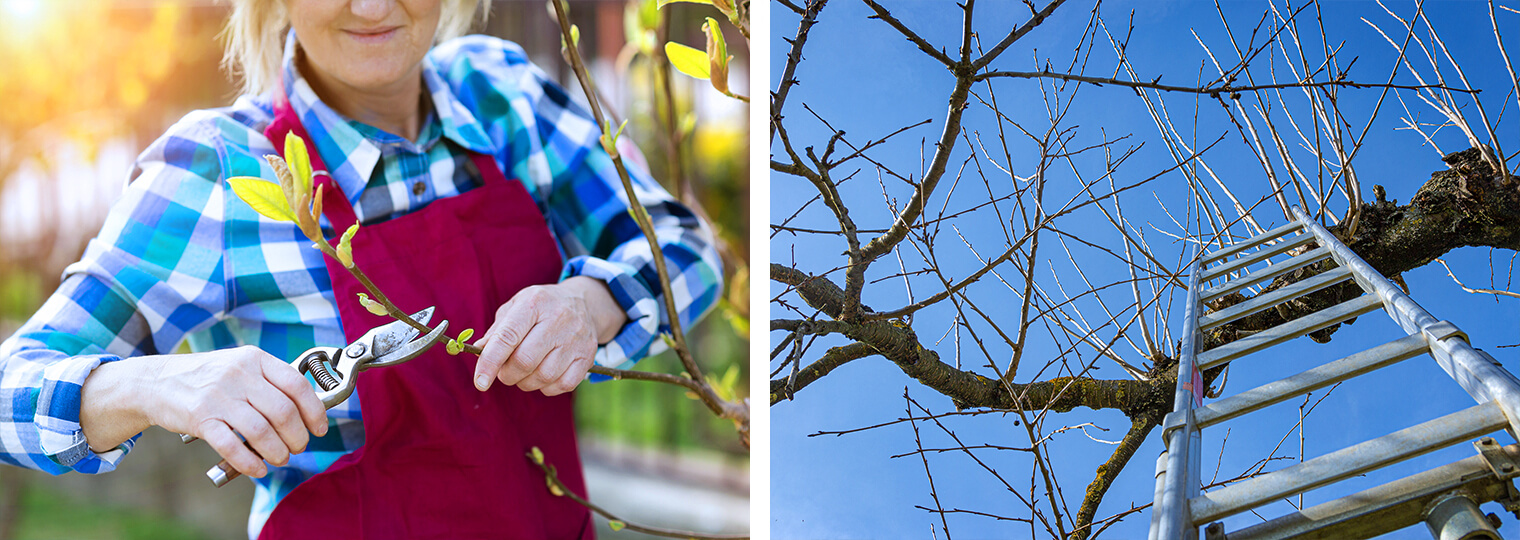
[{"x": 213, "y": 395}]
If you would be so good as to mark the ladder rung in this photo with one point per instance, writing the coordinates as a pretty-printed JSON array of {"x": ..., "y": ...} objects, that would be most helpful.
[
  {"x": 1253, "y": 241},
  {"x": 1386, "y": 508},
  {"x": 1388, "y": 449},
  {"x": 1272, "y": 298},
  {"x": 1256, "y": 257},
  {"x": 1324, "y": 375},
  {"x": 1289, "y": 330},
  {"x": 1317, "y": 255}
]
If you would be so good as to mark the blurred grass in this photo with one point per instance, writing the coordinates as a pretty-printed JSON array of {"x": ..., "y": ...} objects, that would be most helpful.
[{"x": 46, "y": 515}]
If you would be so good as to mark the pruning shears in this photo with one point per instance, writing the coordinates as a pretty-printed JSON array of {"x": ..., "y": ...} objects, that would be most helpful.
[{"x": 335, "y": 369}]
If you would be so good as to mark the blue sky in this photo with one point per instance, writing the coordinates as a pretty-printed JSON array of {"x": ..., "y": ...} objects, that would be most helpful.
[{"x": 862, "y": 77}]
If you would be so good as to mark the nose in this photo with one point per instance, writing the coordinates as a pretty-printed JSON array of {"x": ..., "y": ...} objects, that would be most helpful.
[{"x": 372, "y": 10}]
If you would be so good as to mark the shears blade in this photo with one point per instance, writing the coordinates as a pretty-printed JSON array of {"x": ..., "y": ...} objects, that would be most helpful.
[{"x": 397, "y": 341}]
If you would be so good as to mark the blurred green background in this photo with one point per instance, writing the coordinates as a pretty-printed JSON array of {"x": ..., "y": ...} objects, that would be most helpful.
[{"x": 92, "y": 82}]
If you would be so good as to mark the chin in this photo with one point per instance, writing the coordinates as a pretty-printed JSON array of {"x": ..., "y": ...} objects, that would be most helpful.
[{"x": 378, "y": 76}]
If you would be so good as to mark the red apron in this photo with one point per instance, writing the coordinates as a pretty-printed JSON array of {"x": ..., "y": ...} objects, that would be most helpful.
[{"x": 441, "y": 459}]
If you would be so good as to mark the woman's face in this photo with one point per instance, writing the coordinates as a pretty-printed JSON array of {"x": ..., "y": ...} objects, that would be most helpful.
[{"x": 364, "y": 44}]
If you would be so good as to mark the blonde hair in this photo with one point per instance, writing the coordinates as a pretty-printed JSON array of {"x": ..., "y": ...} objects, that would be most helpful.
[{"x": 255, "y": 37}]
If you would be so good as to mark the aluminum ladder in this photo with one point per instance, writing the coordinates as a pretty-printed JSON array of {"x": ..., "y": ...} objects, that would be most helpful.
[{"x": 1445, "y": 498}]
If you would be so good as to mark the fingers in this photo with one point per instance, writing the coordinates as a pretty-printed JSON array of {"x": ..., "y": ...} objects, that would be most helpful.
[
  {"x": 514, "y": 321},
  {"x": 298, "y": 392},
  {"x": 546, "y": 370},
  {"x": 225, "y": 442},
  {"x": 529, "y": 358},
  {"x": 280, "y": 413},
  {"x": 562, "y": 368},
  {"x": 575, "y": 372},
  {"x": 256, "y": 430}
]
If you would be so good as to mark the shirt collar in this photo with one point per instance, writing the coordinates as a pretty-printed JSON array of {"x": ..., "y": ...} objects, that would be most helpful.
[{"x": 337, "y": 136}]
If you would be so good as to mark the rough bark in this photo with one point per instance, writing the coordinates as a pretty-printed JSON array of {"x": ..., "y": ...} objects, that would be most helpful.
[{"x": 898, "y": 342}]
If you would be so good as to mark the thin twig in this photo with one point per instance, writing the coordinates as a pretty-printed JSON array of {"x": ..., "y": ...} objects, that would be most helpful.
[
  {"x": 561, "y": 489},
  {"x": 1472, "y": 290}
]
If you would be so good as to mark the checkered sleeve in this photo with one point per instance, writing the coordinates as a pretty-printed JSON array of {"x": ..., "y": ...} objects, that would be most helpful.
[
  {"x": 153, "y": 274},
  {"x": 587, "y": 201}
]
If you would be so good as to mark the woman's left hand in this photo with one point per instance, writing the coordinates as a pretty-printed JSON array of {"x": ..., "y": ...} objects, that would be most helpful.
[{"x": 545, "y": 337}]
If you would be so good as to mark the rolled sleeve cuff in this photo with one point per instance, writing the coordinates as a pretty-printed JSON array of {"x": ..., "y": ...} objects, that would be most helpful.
[
  {"x": 57, "y": 419},
  {"x": 639, "y": 337}
]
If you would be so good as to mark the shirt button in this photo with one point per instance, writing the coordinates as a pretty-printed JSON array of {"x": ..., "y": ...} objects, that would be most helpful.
[{"x": 418, "y": 188}]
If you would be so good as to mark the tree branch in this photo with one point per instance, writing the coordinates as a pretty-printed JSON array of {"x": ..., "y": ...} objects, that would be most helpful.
[
  {"x": 786, "y": 387},
  {"x": 1140, "y": 427},
  {"x": 923, "y": 44},
  {"x": 897, "y": 342},
  {"x": 794, "y": 57},
  {"x": 1031, "y": 24},
  {"x": 1211, "y": 90}
]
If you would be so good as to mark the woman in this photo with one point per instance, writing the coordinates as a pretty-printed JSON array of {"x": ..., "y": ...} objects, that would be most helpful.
[{"x": 481, "y": 189}]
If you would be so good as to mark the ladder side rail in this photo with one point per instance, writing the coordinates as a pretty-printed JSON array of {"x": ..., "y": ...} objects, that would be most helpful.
[
  {"x": 1180, "y": 477},
  {"x": 1156, "y": 508},
  {"x": 1482, "y": 380}
]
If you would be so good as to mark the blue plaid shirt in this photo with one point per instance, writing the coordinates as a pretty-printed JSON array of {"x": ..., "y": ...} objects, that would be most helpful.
[{"x": 181, "y": 258}]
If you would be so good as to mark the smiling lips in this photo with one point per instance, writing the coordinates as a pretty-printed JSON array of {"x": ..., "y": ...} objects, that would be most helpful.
[{"x": 377, "y": 35}]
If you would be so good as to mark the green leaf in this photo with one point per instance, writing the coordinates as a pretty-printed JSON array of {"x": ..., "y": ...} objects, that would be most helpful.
[
  {"x": 724, "y": 386},
  {"x": 730, "y": 377},
  {"x": 663, "y": 3},
  {"x": 649, "y": 14},
  {"x": 265, "y": 198},
  {"x": 669, "y": 342},
  {"x": 575, "y": 36},
  {"x": 371, "y": 305},
  {"x": 619, "y": 132},
  {"x": 453, "y": 347},
  {"x": 616, "y": 525},
  {"x": 717, "y": 55},
  {"x": 687, "y": 60},
  {"x": 639, "y": 214},
  {"x": 549, "y": 479},
  {"x": 538, "y": 455},
  {"x": 465, "y": 335},
  {"x": 299, "y": 161},
  {"x": 688, "y": 123},
  {"x": 346, "y": 246}
]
